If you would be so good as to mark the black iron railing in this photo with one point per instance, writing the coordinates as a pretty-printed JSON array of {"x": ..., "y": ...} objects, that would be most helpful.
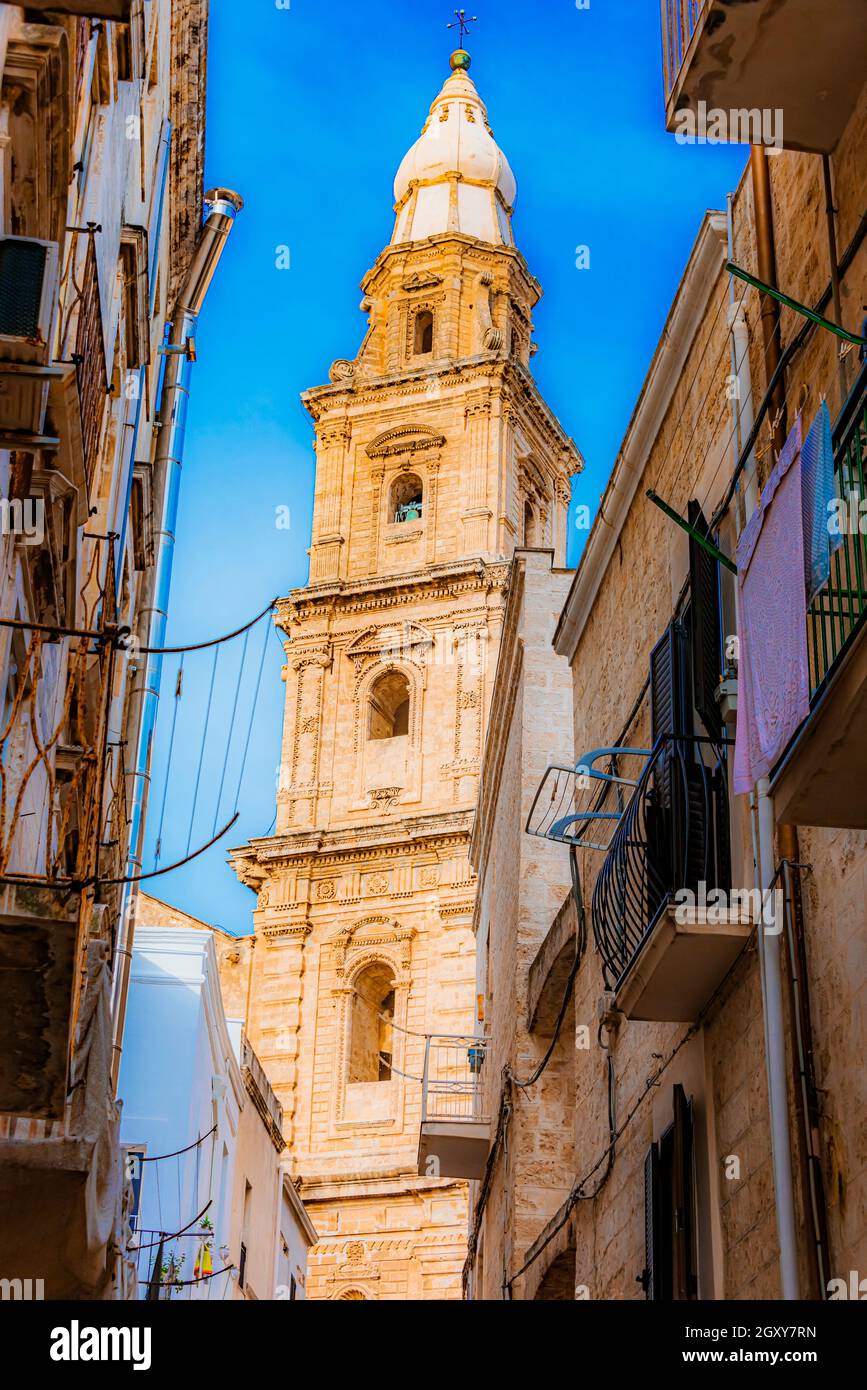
[
  {"x": 673, "y": 834},
  {"x": 838, "y": 609}
]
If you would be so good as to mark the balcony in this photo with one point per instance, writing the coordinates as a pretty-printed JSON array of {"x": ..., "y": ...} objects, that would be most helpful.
[
  {"x": 660, "y": 817},
  {"x": 664, "y": 962},
  {"x": 62, "y": 1181},
  {"x": 801, "y": 57},
  {"x": 821, "y": 777},
  {"x": 454, "y": 1137}
]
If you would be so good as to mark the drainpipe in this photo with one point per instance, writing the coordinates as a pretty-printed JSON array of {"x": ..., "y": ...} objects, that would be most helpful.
[
  {"x": 156, "y": 222},
  {"x": 771, "y": 958},
  {"x": 179, "y": 355}
]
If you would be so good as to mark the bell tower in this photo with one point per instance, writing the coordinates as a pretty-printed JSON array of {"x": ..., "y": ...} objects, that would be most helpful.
[{"x": 435, "y": 457}]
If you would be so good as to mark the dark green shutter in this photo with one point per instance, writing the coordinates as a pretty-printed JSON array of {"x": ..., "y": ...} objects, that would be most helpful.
[
  {"x": 682, "y": 1199},
  {"x": 650, "y": 1277},
  {"x": 706, "y": 655},
  {"x": 22, "y": 269},
  {"x": 668, "y": 712}
]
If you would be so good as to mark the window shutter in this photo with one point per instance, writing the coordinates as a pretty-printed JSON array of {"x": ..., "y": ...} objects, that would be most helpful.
[
  {"x": 667, "y": 717},
  {"x": 706, "y": 664},
  {"x": 682, "y": 1199},
  {"x": 667, "y": 693},
  {"x": 650, "y": 1278}
]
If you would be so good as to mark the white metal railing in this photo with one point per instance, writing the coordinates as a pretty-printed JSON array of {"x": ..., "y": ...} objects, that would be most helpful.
[
  {"x": 451, "y": 1085},
  {"x": 679, "y": 22}
]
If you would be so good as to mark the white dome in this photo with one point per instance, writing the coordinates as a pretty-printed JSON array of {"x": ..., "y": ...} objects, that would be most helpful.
[{"x": 455, "y": 178}]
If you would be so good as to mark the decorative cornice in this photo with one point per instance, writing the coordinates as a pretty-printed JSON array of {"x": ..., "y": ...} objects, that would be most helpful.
[
  {"x": 260, "y": 1103},
  {"x": 369, "y": 595},
  {"x": 349, "y": 844},
  {"x": 404, "y": 439}
]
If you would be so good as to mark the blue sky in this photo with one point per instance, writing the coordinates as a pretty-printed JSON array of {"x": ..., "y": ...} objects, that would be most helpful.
[{"x": 310, "y": 111}]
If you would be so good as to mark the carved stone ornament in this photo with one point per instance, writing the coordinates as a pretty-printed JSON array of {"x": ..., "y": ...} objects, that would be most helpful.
[
  {"x": 385, "y": 798},
  {"x": 405, "y": 439},
  {"x": 341, "y": 370}
]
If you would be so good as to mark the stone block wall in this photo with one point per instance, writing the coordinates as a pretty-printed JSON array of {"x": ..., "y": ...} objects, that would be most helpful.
[{"x": 685, "y": 452}]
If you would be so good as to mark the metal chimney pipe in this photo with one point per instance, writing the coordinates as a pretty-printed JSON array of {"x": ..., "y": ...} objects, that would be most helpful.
[{"x": 179, "y": 355}]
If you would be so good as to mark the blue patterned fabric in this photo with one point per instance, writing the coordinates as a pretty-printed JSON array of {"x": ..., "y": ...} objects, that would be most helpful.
[{"x": 817, "y": 490}]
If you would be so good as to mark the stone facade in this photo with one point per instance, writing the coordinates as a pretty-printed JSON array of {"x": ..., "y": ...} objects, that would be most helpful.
[
  {"x": 103, "y": 220},
  {"x": 634, "y": 577},
  {"x": 522, "y": 884},
  {"x": 435, "y": 454}
]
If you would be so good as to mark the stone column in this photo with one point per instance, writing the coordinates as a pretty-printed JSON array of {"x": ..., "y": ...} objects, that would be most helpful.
[
  {"x": 328, "y": 540},
  {"x": 304, "y": 741},
  {"x": 477, "y": 513},
  {"x": 562, "y": 498},
  {"x": 377, "y": 476},
  {"x": 430, "y": 510}
]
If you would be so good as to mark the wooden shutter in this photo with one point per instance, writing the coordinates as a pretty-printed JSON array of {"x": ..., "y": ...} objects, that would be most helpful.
[
  {"x": 684, "y": 1279},
  {"x": 652, "y": 1233},
  {"x": 706, "y": 662}
]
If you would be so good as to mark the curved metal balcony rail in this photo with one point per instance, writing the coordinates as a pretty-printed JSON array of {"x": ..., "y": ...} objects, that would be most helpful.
[
  {"x": 582, "y": 805},
  {"x": 673, "y": 834}
]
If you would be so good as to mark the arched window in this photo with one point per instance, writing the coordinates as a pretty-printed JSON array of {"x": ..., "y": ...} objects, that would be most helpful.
[
  {"x": 389, "y": 707},
  {"x": 407, "y": 498},
  {"x": 370, "y": 1048},
  {"x": 423, "y": 335},
  {"x": 529, "y": 525}
]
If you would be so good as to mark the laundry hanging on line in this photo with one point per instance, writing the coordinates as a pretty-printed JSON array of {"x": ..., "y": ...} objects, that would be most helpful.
[{"x": 774, "y": 680}]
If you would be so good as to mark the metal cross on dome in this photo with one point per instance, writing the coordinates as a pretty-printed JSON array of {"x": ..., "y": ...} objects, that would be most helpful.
[{"x": 463, "y": 23}]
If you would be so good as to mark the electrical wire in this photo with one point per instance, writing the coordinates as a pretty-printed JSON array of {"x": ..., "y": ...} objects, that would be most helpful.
[
  {"x": 232, "y": 725},
  {"x": 179, "y": 686},
  {"x": 164, "y": 1235},
  {"x": 214, "y": 641},
  {"x": 578, "y": 1194},
  {"x": 202, "y": 747},
  {"x": 159, "y": 1158},
  {"x": 252, "y": 718}
]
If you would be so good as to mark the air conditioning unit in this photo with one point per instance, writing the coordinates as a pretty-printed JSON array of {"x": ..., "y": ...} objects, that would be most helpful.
[{"x": 28, "y": 292}]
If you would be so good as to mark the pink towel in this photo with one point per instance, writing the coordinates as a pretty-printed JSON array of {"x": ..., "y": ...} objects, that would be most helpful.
[{"x": 773, "y": 671}]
